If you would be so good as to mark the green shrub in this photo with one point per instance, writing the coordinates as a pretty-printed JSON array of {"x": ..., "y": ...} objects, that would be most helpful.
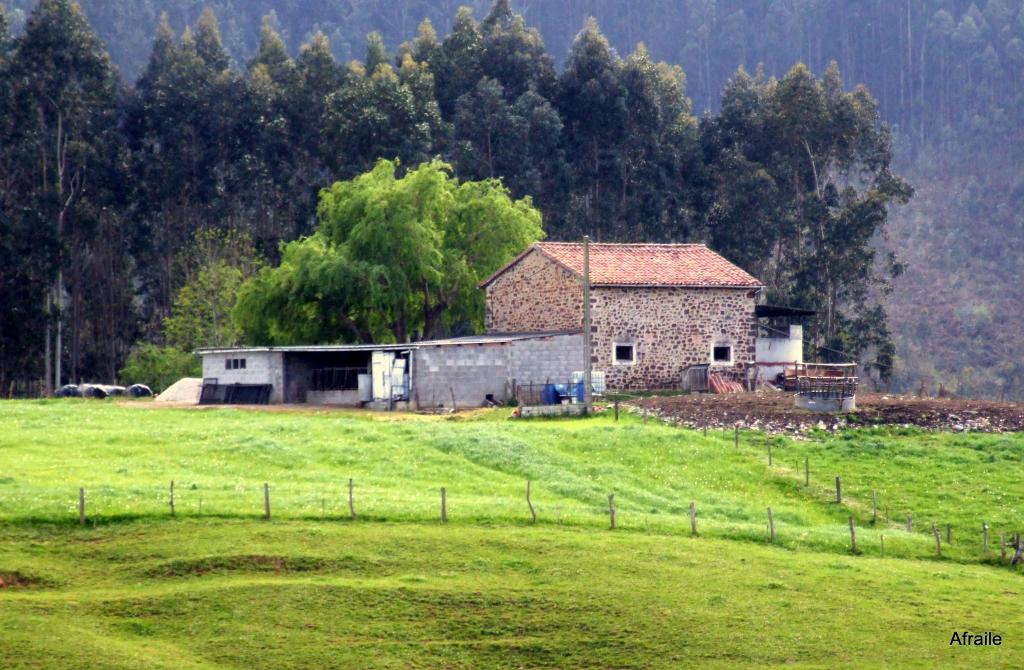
[{"x": 159, "y": 367}]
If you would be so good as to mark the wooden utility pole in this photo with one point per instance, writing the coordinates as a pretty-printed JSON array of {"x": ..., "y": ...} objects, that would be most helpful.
[{"x": 588, "y": 400}]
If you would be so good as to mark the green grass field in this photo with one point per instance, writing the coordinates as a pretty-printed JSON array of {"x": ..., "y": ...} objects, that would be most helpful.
[{"x": 217, "y": 586}]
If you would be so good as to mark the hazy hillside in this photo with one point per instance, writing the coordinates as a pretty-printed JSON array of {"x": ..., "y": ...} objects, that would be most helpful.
[{"x": 946, "y": 75}]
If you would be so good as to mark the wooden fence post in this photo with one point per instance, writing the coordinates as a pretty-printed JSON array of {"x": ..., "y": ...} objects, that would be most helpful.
[
  {"x": 454, "y": 406},
  {"x": 984, "y": 536},
  {"x": 611, "y": 509},
  {"x": 839, "y": 491},
  {"x": 736, "y": 435},
  {"x": 771, "y": 526},
  {"x": 807, "y": 471},
  {"x": 266, "y": 501},
  {"x": 938, "y": 541},
  {"x": 1018, "y": 550},
  {"x": 874, "y": 507},
  {"x": 351, "y": 502},
  {"x": 444, "y": 505},
  {"x": 853, "y": 536},
  {"x": 769, "y": 454},
  {"x": 529, "y": 503},
  {"x": 882, "y": 538},
  {"x": 910, "y": 523},
  {"x": 705, "y": 426},
  {"x": 172, "y": 497},
  {"x": 1002, "y": 546},
  {"x": 693, "y": 518},
  {"x": 949, "y": 534},
  {"x": 645, "y": 416},
  {"x": 81, "y": 506},
  {"x": 616, "y": 410}
]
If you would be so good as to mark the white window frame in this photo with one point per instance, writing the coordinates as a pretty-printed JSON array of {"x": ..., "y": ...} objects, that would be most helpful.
[
  {"x": 732, "y": 353},
  {"x": 616, "y": 360}
]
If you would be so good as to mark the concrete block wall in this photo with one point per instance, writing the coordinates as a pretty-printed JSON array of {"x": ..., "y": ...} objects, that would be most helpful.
[
  {"x": 472, "y": 371},
  {"x": 543, "y": 358},
  {"x": 261, "y": 367},
  {"x": 475, "y": 370}
]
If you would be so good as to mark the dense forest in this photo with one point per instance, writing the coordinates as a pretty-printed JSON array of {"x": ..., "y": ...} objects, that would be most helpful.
[{"x": 131, "y": 183}]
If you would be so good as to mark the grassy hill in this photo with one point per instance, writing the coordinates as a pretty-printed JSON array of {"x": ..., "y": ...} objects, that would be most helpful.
[{"x": 220, "y": 587}]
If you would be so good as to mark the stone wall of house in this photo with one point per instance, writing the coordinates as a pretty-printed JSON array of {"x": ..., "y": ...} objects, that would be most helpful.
[
  {"x": 535, "y": 295},
  {"x": 671, "y": 328}
]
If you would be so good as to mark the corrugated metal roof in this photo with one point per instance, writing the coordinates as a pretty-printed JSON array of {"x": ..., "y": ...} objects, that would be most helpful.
[{"x": 490, "y": 338}]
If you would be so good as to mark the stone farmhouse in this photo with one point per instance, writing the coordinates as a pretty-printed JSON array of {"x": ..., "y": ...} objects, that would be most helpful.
[{"x": 655, "y": 308}]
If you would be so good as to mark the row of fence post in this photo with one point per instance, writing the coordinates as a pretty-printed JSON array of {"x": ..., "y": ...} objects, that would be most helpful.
[
  {"x": 1016, "y": 543},
  {"x": 936, "y": 531}
]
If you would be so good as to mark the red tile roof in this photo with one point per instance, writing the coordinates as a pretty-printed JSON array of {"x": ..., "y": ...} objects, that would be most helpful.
[{"x": 643, "y": 265}]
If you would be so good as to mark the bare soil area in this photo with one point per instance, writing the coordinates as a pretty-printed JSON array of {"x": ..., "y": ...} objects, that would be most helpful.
[{"x": 775, "y": 412}]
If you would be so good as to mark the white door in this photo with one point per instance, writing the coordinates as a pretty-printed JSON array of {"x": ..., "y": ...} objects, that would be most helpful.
[{"x": 380, "y": 368}]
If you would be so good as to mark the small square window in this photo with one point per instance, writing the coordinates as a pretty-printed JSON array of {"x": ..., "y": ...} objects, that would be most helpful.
[
  {"x": 241, "y": 363},
  {"x": 227, "y": 363},
  {"x": 721, "y": 354},
  {"x": 625, "y": 353}
]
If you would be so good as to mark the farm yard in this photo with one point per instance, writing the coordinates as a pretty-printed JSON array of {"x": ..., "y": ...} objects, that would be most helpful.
[
  {"x": 218, "y": 585},
  {"x": 774, "y": 412}
]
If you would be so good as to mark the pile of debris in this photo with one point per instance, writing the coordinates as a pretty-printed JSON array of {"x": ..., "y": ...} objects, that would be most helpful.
[
  {"x": 774, "y": 413},
  {"x": 186, "y": 391},
  {"x": 719, "y": 384}
]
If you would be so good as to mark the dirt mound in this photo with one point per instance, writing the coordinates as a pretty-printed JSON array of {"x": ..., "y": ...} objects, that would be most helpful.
[
  {"x": 15, "y": 580},
  {"x": 186, "y": 391},
  {"x": 774, "y": 412},
  {"x": 243, "y": 563}
]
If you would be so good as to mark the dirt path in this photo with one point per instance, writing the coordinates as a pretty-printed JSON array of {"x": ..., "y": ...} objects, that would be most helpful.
[{"x": 774, "y": 412}]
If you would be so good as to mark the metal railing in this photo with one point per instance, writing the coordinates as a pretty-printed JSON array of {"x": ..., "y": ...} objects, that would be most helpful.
[
  {"x": 827, "y": 388},
  {"x": 549, "y": 393},
  {"x": 336, "y": 379}
]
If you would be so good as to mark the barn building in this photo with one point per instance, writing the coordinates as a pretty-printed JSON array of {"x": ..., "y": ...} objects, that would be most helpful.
[
  {"x": 458, "y": 372},
  {"x": 656, "y": 309}
]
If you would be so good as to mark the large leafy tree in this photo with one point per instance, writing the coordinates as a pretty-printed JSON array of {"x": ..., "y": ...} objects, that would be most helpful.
[
  {"x": 216, "y": 264},
  {"x": 393, "y": 259}
]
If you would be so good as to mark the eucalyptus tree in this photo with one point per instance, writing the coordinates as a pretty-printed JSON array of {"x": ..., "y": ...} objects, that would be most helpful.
[{"x": 66, "y": 83}]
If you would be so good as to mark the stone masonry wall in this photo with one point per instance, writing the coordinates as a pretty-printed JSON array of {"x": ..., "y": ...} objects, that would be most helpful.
[
  {"x": 671, "y": 329},
  {"x": 535, "y": 295}
]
